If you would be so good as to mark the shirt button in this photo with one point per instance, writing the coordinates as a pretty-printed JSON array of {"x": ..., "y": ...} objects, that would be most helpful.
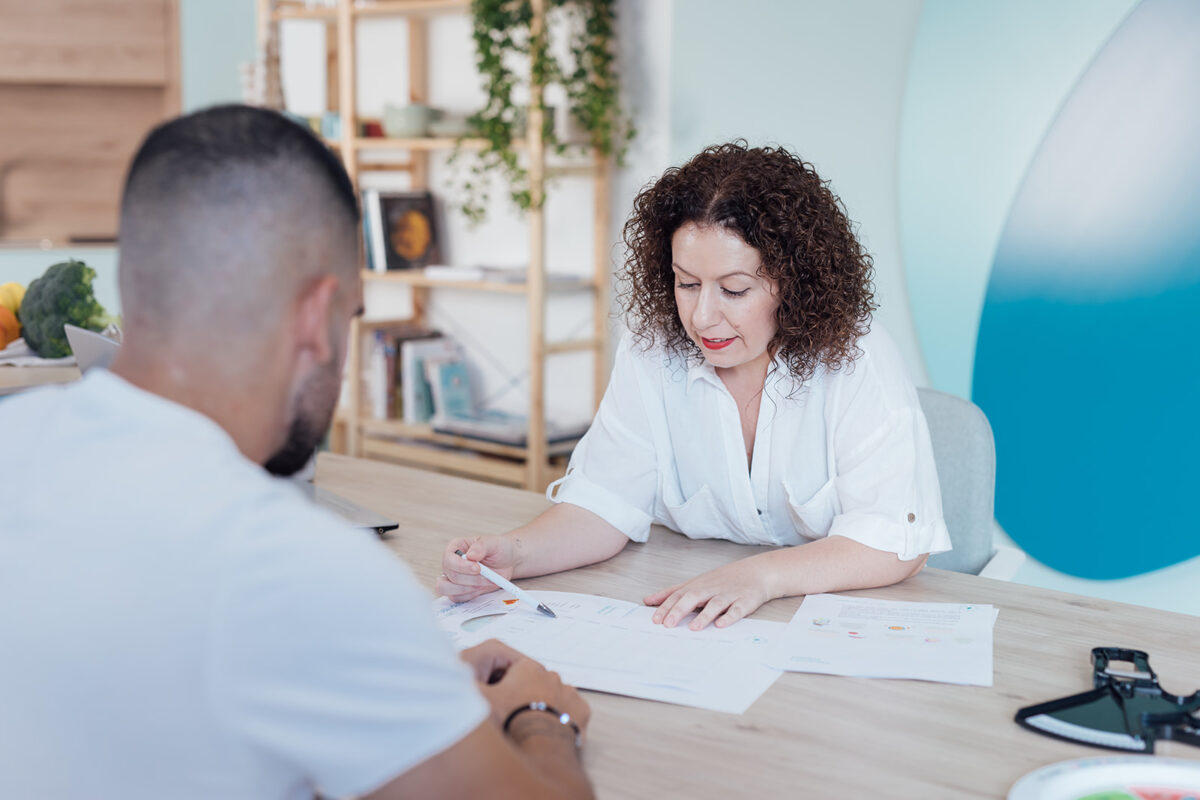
[
  {"x": 912, "y": 517},
  {"x": 760, "y": 512}
]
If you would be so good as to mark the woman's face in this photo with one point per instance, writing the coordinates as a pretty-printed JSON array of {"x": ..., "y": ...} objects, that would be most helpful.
[{"x": 725, "y": 306}]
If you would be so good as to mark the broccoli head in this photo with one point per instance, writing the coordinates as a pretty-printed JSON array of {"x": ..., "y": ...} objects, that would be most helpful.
[{"x": 62, "y": 295}]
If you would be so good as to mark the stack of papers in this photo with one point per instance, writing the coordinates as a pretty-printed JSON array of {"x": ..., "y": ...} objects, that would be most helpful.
[
  {"x": 866, "y": 638},
  {"x": 612, "y": 646}
]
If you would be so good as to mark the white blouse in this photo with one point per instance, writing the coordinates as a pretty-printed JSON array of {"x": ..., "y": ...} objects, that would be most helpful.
[{"x": 846, "y": 453}]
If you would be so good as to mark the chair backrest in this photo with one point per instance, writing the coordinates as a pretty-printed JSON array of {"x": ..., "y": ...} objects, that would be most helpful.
[{"x": 965, "y": 453}]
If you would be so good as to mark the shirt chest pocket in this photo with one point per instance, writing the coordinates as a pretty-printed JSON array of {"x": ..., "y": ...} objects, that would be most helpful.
[
  {"x": 698, "y": 517},
  {"x": 813, "y": 516}
]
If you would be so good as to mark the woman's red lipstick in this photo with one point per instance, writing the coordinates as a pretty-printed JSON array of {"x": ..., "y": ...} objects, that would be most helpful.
[{"x": 716, "y": 344}]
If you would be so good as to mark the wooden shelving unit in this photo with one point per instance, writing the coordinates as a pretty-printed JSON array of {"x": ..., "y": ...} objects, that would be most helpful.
[{"x": 531, "y": 466}]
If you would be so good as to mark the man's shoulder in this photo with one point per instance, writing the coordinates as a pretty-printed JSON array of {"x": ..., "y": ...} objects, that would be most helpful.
[{"x": 273, "y": 522}]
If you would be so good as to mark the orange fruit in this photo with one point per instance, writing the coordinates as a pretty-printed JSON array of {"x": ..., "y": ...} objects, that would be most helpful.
[{"x": 10, "y": 329}]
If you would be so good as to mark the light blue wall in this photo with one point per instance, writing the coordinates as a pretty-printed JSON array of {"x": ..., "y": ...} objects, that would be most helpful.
[
  {"x": 1095, "y": 282},
  {"x": 825, "y": 80},
  {"x": 24, "y": 266},
  {"x": 215, "y": 36},
  {"x": 984, "y": 82}
]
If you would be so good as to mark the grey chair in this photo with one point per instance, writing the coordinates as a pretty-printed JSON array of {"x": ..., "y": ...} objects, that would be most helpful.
[{"x": 965, "y": 453}]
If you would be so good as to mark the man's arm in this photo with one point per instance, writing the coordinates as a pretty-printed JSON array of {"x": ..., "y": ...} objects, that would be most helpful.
[{"x": 536, "y": 758}]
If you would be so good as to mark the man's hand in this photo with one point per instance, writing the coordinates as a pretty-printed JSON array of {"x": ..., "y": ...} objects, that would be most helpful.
[
  {"x": 525, "y": 681},
  {"x": 491, "y": 659},
  {"x": 537, "y": 759}
]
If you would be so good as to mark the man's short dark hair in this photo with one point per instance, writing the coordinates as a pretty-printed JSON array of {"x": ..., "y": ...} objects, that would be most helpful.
[
  {"x": 221, "y": 137},
  {"x": 226, "y": 211}
]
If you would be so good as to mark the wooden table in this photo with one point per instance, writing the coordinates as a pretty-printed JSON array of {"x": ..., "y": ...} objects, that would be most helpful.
[
  {"x": 15, "y": 379},
  {"x": 810, "y": 736}
]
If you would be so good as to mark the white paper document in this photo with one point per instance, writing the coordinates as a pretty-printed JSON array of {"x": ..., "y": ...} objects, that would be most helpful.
[
  {"x": 866, "y": 638},
  {"x": 612, "y": 646}
]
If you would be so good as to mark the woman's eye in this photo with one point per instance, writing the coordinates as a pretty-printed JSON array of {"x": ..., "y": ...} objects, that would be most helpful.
[
  {"x": 681, "y": 285},
  {"x": 735, "y": 294}
]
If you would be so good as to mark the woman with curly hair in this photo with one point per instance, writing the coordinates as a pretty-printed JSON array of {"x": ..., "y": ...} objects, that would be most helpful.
[{"x": 753, "y": 400}]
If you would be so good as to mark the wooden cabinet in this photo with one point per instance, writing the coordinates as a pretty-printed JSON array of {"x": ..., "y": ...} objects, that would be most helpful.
[
  {"x": 80, "y": 85},
  {"x": 531, "y": 466}
]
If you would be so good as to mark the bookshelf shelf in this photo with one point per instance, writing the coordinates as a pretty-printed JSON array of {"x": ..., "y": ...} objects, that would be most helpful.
[
  {"x": 420, "y": 280},
  {"x": 380, "y": 8},
  {"x": 419, "y": 143},
  {"x": 392, "y": 8},
  {"x": 394, "y": 428},
  {"x": 531, "y": 466},
  {"x": 303, "y": 12}
]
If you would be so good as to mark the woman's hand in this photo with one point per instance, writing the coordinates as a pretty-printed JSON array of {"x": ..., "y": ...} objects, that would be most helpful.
[
  {"x": 460, "y": 580},
  {"x": 727, "y": 594}
]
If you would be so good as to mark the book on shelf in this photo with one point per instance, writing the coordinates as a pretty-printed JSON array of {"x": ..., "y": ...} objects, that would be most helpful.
[
  {"x": 383, "y": 378},
  {"x": 450, "y": 388},
  {"x": 399, "y": 230},
  {"x": 455, "y": 411},
  {"x": 368, "y": 261},
  {"x": 371, "y": 227},
  {"x": 378, "y": 377},
  {"x": 417, "y": 392}
]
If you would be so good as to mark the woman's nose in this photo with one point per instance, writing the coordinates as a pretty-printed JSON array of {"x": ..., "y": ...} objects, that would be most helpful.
[{"x": 707, "y": 312}]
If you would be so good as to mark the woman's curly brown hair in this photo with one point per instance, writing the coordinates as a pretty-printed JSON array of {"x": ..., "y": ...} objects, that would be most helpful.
[{"x": 779, "y": 206}]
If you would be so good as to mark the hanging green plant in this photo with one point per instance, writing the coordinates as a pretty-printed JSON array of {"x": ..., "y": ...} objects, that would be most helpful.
[
  {"x": 502, "y": 31},
  {"x": 592, "y": 85}
]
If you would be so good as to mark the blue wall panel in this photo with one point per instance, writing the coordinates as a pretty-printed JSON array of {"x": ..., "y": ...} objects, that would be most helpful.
[{"x": 1086, "y": 360}]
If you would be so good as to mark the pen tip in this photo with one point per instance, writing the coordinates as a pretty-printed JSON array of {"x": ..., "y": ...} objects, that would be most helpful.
[{"x": 542, "y": 607}]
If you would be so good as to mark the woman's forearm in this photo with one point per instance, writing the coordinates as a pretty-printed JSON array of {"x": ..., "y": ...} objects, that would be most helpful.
[
  {"x": 562, "y": 537},
  {"x": 833, "y": 564}
]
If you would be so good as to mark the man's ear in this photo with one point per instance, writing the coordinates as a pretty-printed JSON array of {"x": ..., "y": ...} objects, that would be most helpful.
[{"x": 314, "y": 314}]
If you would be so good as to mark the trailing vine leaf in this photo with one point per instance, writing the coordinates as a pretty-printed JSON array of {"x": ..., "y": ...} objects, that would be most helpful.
[
  {"x": 592, "y": 83},
  {"x": 501, "y": 30}
]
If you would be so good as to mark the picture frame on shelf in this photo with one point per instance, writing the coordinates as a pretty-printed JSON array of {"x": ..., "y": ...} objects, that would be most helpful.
[{"x": 401, "y": 230}]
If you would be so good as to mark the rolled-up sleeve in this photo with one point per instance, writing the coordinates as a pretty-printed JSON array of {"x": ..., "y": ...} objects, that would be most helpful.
[
  {"x": 613, "y": 471},
  {"x": 885, "y": 475},
  {"x": 888, "y": 491}
]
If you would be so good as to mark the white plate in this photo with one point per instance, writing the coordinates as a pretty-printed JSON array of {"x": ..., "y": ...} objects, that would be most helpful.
[{"x": 1112, "y": 778}]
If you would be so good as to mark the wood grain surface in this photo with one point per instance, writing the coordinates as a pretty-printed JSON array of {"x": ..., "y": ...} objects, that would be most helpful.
[
  {"x": 13, "y": 379},
  {"x": 812, "y": 736}
]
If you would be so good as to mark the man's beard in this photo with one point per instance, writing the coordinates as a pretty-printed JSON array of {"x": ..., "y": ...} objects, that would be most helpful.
[
  {"x": 314, "y": 413},
  {"x": 303, "y": 438}
]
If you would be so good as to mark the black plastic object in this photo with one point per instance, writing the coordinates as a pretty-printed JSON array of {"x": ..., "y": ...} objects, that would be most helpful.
[{"x": 1127, "y": 710}]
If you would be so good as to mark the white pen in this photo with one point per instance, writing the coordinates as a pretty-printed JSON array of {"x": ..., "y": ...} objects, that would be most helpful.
[{"x": 509, "y": 586}]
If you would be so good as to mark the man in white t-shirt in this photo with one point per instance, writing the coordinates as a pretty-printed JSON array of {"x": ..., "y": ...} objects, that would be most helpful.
[{"x": 175, "y": 622}]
